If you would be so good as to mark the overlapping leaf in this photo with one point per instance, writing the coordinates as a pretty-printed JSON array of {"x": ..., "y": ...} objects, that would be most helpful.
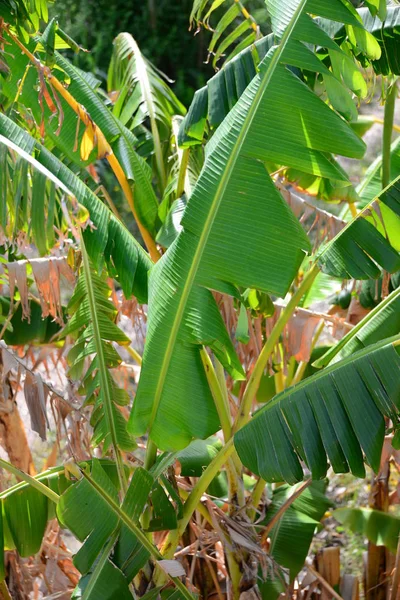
[
  {"x": 61, "y": 125},
  {"x": 292, "y": 535},
  {"x": 214, "y": 101},
  {"x": 233, "y": 206},
  {"x": 369, "y": 242},
  {"x": 378, "y": 527},
  {"x": 319, "y": 419}
]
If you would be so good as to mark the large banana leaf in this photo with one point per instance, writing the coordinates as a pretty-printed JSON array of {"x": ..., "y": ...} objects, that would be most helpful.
[
  {"x": 337, "y": 414},
  {"x": 371, "y": 240},
  {"x": 109, "y": 238},
  {"x": 213, "y": 101},
  {"x": 237, "y": 231}
]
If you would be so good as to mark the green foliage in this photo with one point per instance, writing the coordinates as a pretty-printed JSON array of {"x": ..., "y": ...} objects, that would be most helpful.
[
  {"x": 74, "y": 158},
  {"x": 319, "y": 419},
  {"x": 91, "y": 322}
]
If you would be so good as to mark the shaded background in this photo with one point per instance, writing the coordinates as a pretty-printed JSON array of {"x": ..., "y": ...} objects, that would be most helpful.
[{"x": 160, "y": 27}]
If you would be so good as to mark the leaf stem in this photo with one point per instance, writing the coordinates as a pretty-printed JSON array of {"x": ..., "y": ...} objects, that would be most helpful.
[
  {"x": 218, "y": 395},
  {"x": 387, "y": 133},
  {"x": 46, "y": 491},
  {"x": 194, "y": 497},
  {"x": 255, "y": 378}
]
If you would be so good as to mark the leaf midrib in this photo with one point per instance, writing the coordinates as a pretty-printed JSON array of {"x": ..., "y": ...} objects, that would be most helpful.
[{"x": 275, "y": 59}]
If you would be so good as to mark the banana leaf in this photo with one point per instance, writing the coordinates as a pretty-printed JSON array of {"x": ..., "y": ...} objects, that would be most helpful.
[{"x": 336, "y": 415}]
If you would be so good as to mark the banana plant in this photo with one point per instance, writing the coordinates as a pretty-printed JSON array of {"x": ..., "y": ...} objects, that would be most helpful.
[{"x": 230, "y": 267}]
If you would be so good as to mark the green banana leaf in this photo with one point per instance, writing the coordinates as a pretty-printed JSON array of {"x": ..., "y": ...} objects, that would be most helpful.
[
  {"x": 337, "y": 414},
  {"x": 380, "y": 528},
  {"x": 213, "y": 101},
  {"x": 233, "y": 207},
  {"x": 370, "y": 241}
]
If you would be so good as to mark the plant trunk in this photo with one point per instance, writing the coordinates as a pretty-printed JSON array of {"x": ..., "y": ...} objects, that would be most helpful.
[
  {"x": 12, "y": 431},
  {"x": 377, "y": 563}
]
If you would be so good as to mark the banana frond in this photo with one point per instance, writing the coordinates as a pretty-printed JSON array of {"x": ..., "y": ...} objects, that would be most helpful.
[
  {"x": 233, "y": 25},
  {"x": 369, "y": 242},
  {"x": 142, "y": 93},
  {"x": 233, "y": 196},
  {"x": 336, "y": 415},
  {"x": 92, "y": 323},
  {"x": 81, "y": 127},
  {"x": 142, "y": 90},
  {"x": 212, "y": 102}
]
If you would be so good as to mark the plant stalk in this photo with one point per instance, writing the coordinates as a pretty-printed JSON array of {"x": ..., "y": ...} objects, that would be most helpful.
[
  {"x": 194, "y": 498},
  {"x": 151, "y": 454},
  {"x": 38, "y": 485},
  {"x": 255, "y": 378},
  {"x": 218, "y": 395},
  {"x": 100, "y": 564},
  {"x": 387, "y": 133},
  {"x": 256, "y": 496}
]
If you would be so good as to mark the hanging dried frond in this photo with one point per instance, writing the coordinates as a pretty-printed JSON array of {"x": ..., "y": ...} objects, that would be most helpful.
[{"x": 47, "y": 273}]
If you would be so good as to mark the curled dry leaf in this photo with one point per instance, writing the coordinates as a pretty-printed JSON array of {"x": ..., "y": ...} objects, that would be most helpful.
[
  {"x": 47, "y": 273},
  {"x": 328, "y": 225},
  {"x": 35, "y": 398},
  {"x": 17, "y": 276},
  {"x": 9, "y": 363},
  {"x": 172, "y": 567}
]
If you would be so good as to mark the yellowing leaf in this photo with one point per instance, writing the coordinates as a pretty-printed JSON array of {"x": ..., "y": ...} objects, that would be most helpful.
[{"x": 87, "y": 143}]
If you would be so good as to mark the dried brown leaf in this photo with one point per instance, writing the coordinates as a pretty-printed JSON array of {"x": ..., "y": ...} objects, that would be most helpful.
[{"x": 35, "y": 398}]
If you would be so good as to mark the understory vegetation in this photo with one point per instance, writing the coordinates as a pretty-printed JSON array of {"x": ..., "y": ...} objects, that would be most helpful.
[{"x": 199, "y": 301}]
